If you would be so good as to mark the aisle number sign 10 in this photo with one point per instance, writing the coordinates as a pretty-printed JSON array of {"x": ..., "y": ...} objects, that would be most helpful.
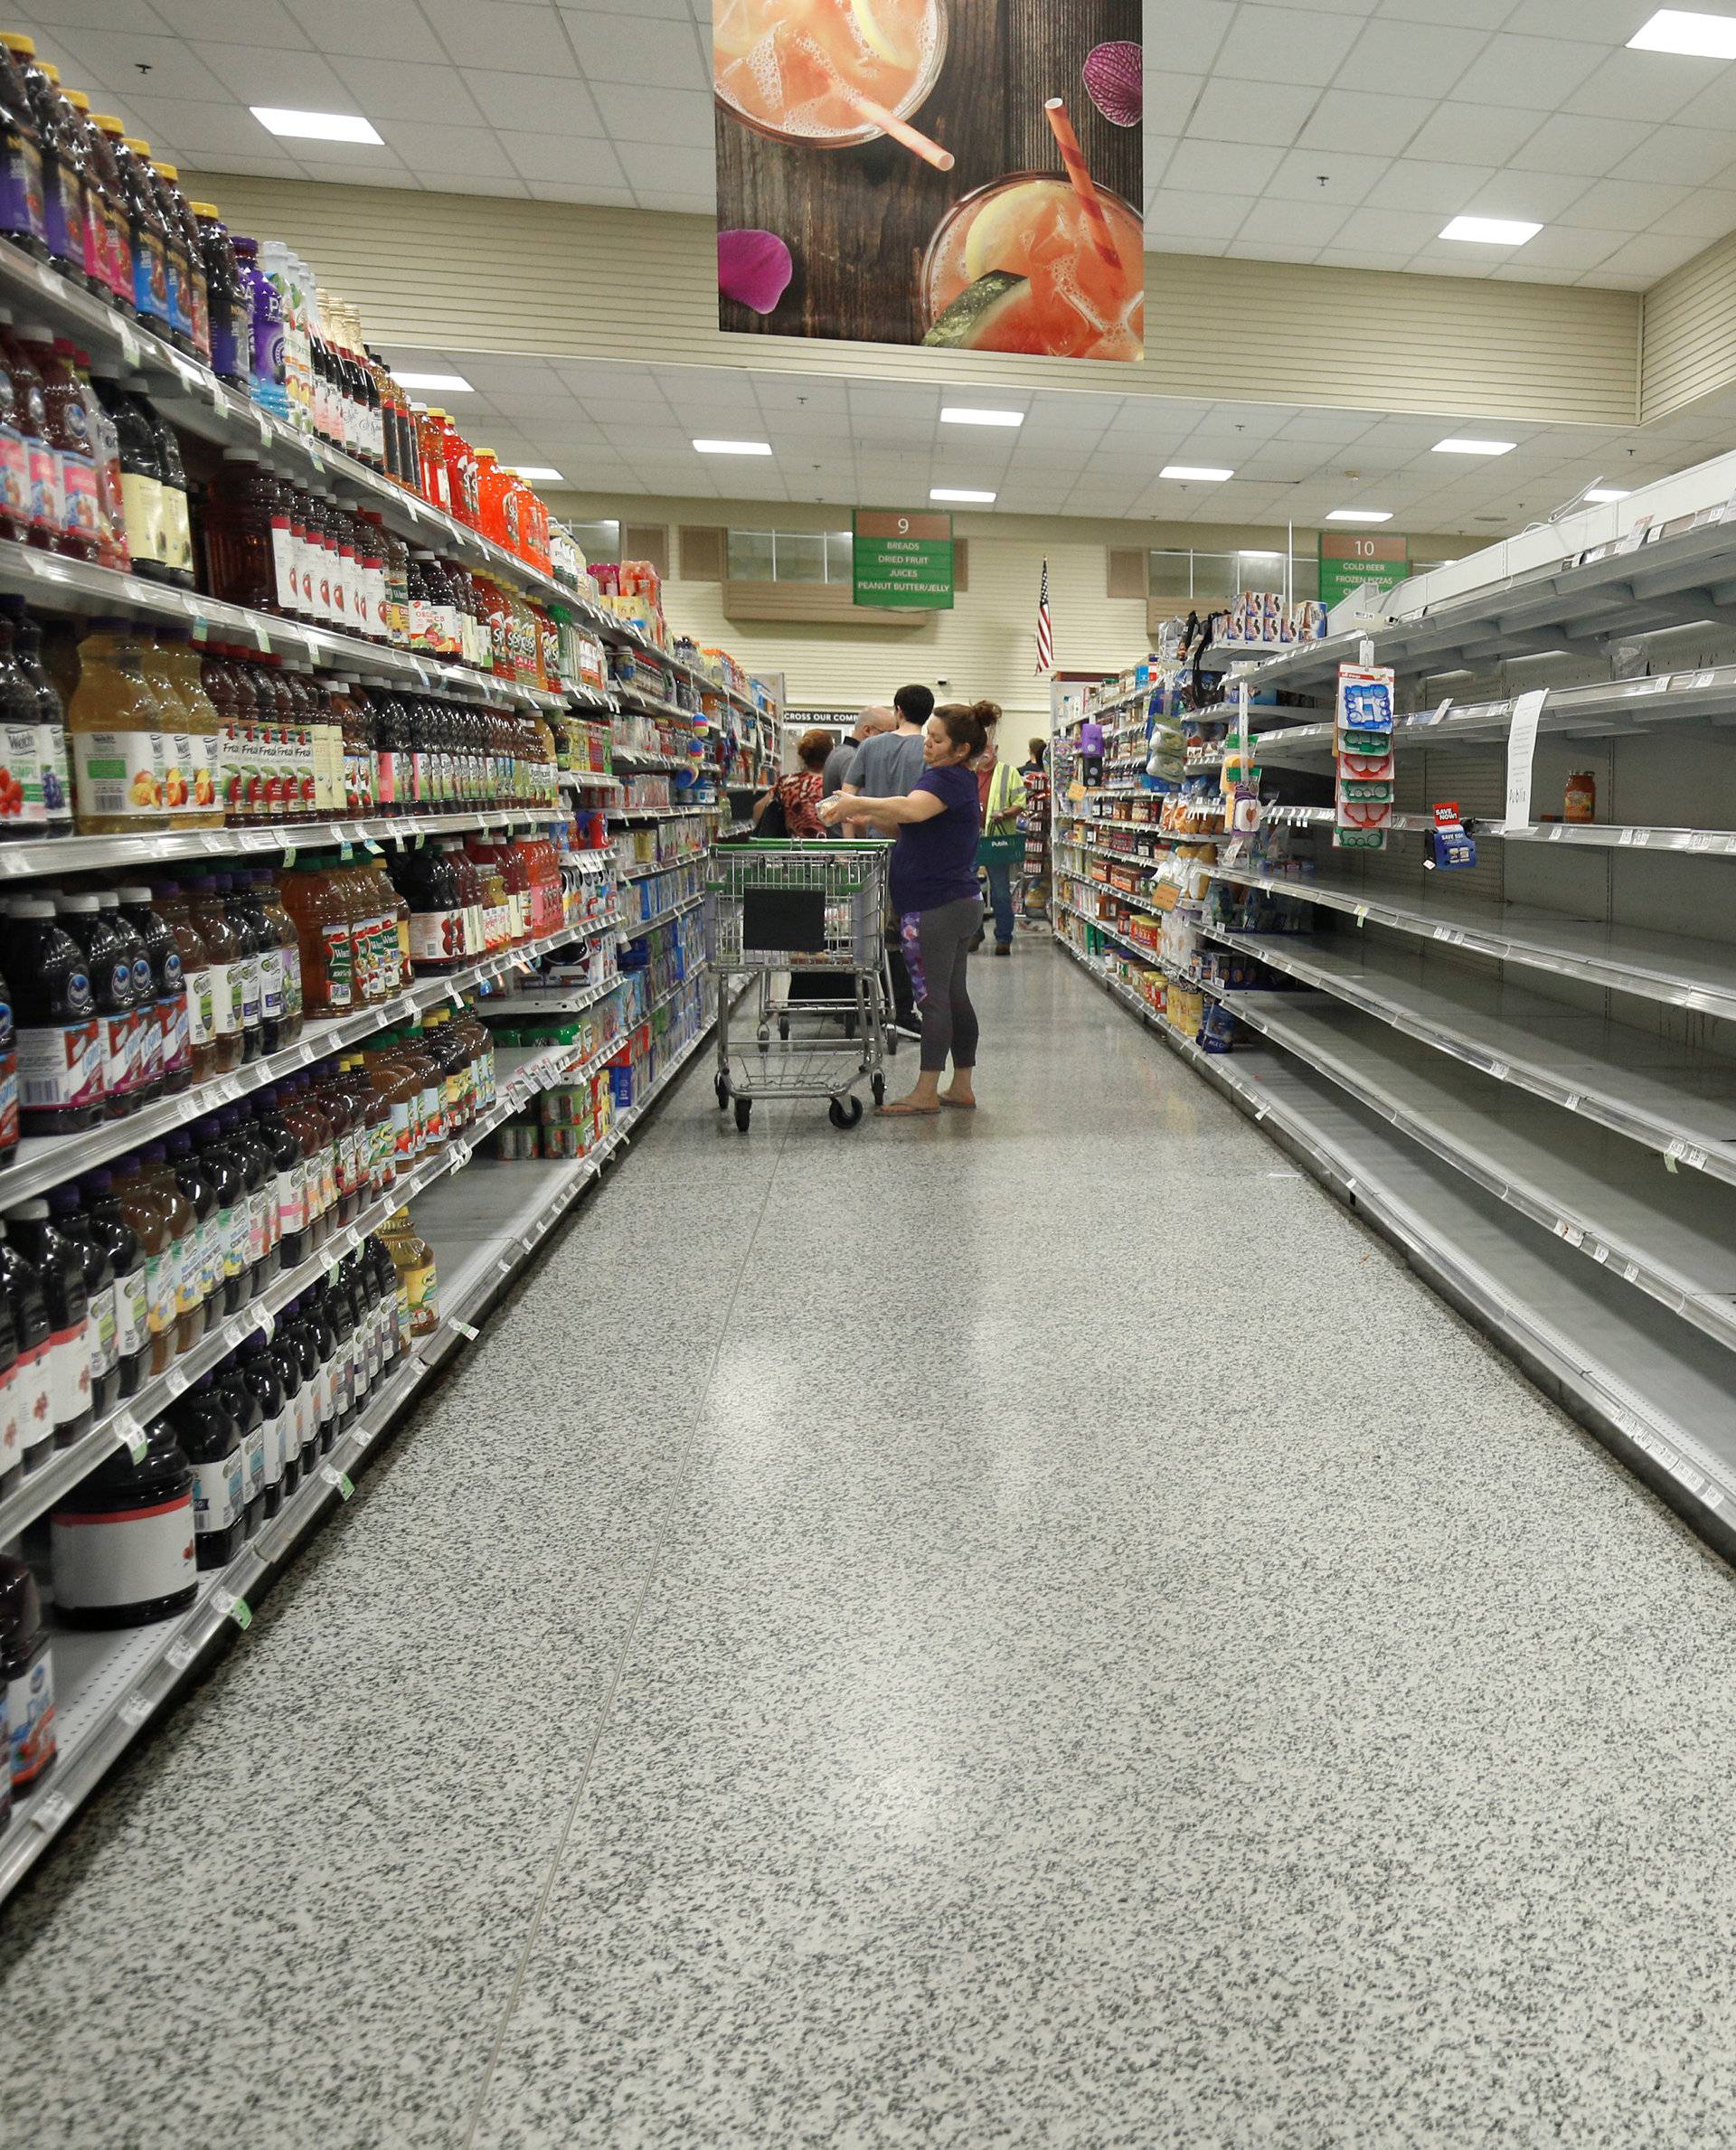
[
  {"x": 902, "y": 562},
  {"x": 1347, "y": 561}
]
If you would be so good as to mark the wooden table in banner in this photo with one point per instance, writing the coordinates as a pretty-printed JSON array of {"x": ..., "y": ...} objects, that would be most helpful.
[{"x": 861, "y": 221}]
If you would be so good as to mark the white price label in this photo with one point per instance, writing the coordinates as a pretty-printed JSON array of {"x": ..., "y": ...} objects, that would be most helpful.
[
  {"x": 1572, "y": 1100},
  {"x": 135, "y": 1710},
  {"x": 49, "y": 1811},
  {"x": 1499, "y": 1069},
  {"x": 181, "y": 1652},
  {"x": 464, "y": 1330},
  {"x": 1362, "y": 913},
  {"x": 1599, "y": 1253}
]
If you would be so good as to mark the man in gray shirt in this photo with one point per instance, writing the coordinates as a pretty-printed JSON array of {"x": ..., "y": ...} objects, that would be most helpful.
[
  {"x": 838, "y": 762},
  {"x": 888, "y": 765}
]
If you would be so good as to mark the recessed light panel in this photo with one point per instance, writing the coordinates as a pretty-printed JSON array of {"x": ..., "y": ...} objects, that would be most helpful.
[
  {"x": 542, "y": 474},
  {"x": 1491, "y": 231},
  {"x": 1603, "y": 493},
  {"x": 1676, "y": 30},
  {"x": 959, "y": 493},
  {"x": 1475, "y": 447},
  {"x": 1197, "y": 473},
  {"x": 451, "y": 384},
  {"x": 733, "y": 447},
  {"x": 962, "y": 414},
  {"x": 317, "y": 126},
  {"x": 1360, "y": 515}
]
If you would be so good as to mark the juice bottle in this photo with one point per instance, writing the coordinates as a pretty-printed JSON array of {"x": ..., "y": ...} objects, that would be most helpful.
[
  {"x": 169, "y": 900},
  {"x": 186, "y": 252},
  {"x": 68, "y": 431},
  {"x": 243, "y": 1406},
  {"x": 293, "y": 1330},
  {"x": 397, "y": 1088},
  {"x": 129, "y": 1264},
  {"x": 320, "y": 913},
  {"x": 50, "y": 718},
  {"x": 431, "y": 456},
  {"x": 112, "y": 548},
  {"x": 177, "y": 527},
  {"x": 211, "y": 1440},
  {"x": 178, "y": 662},
  {"x": 146, "y": 239},
  {"x": 430, "y": 886},
  {"x": 394, "y": 1340},
  {"x": 176, "y": 269},
  {"x": 42, "y": 453},
  {"x": 364, "y": 1362},
  {"x": 177, "y": 733},
  {"x": 335, "y": 1310},
  {"x": 229, "y": 301},
  {"x": 26, "y": 1683},
  {"x": 205, "y": 1254},
  {"x": 23, "y": 210},
  {"x": 257, "y": 1371},
  {"x": 28, "y": 1309},
  {"x": 115, "y": 733},
  {"x": 102, "y": 1333},
  {"x": 78, "y": 194},
  {"x": 62, "y": 179},
  {"x": 105, "y": 211},
  {"x": 243, "y": 554},
  {"x": 413, "y": 1259},
  {"x": 424, "y": 1064},
  {"x": 267, "y": 384},
  {"x": 290, "y": 1178},
  {"x": 145, "y": 1044},
  {"x": 141, "y": 488},
  {"x": 317, "y": 1326},
  {"x": 12, "y": 1431},
  {"x": 261, "y": 889},
  {"x": 60, "y": 1275},
  {"x": 233, "y": 1214},
  {"x": 14, "y": 462},
  {"x": 248, "y": 1147},
  {"x": 261, "y": 963},
  {"x": 23, "y": 810},
  {"x": 283, "y": 268},
  {"x": 227, "y": 958},
  {"x": 313, "y": 1132},
  {"x": 107, "y": 963},
  {"x": 147, "y": 1215},
  {"x": 390, "y": 906},
  {"x": 285, "y": 1361}
]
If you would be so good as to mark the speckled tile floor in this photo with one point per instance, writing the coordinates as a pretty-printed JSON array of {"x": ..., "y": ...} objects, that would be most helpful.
[{"x": 936, "y": 1669}]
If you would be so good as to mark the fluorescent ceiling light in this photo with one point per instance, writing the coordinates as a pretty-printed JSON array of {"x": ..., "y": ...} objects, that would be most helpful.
[
  {"x": 1475, "y": 447},
  {"x": 1607, "y": 493},
  {"x": 733, "y": 447},
  {"x": 958, "y": 493},
  {"x": 544, "y": 473},
  {"x": 1202, "y": 472},
  {"x": 1245, "y": 555},
  {"x": 1491, "y": 231},
  {"x": 317, "y": 126},
  {"x": 961, "y": 414},
  {"x": 1674, "y": 30},
  {"x": 1360, "y": 515},
  {"x": 451, "y": 385}
]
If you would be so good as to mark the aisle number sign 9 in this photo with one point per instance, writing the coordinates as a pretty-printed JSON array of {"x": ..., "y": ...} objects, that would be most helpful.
[
  {"x": 1347, "y": 561},
  {"x": 902, "y": 562}
]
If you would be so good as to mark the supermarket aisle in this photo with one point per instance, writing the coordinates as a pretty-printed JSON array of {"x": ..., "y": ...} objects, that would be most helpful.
[{"x": 1032, "y": 1632}]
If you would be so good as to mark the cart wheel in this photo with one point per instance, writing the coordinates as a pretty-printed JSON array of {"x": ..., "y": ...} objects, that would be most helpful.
[
  {"x": 743, "y": 1113},
  {"x": 764, "y": 1035},
  {"x": 880, "y": 1090},
  {"x": 891, "y": 1040},
  {"x": 839, "y": 1116},
  {"x": 783, "y": 1028},
  {"x": 721, "y": 1086}
]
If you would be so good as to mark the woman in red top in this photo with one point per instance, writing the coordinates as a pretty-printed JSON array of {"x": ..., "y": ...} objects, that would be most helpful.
[{"x": 800, "y": 793}]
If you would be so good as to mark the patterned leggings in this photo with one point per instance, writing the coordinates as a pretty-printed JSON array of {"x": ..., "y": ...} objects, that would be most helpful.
[{"x": 937, "y": 949}]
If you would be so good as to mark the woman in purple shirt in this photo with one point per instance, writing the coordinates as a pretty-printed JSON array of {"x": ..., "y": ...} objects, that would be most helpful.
[{"x": 934, "y": 894}]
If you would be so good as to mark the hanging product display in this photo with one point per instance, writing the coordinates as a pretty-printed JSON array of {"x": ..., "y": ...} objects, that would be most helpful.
[{"x": 1363, "y": 748}]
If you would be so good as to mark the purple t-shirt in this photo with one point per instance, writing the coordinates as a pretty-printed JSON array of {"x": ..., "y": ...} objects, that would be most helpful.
[{"x": 934, "y": 861}]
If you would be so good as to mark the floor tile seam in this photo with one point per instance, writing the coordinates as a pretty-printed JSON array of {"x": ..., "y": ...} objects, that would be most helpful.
[{"x": 654, "y": 1568}]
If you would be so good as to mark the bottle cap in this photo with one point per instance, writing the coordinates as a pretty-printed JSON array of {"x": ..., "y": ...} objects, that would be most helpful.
[
  {"x": 80, "y": 905},
  {"x": 15, "y": 43},
  {"x": 31, "y": 907},
  {"x": 134, "y": 892},
  {"x": 208, "y": 209},
  {"x": 27, "y": 1212}
]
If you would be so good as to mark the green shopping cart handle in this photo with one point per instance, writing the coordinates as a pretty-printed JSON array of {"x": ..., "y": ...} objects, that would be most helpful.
[{"x": 818, "y": 843}]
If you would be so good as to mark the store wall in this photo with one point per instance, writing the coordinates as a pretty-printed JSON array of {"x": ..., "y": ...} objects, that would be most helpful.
[
  {"x": 1689, "y": 346},
  {"x": 986, "y": 646},
  {"x": 466, "y": 273}
]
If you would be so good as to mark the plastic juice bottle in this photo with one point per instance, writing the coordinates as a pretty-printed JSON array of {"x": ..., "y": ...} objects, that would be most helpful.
[
  {"x": 62, "y": 181},
  {"x": 385, "y": 902},
  {"x": 376, "y": 1126},
  {"x": 107, "y": 966},
  {"x": 298, "y": 1337},
  {"x": 23, "y": 1290},
  {"x": 59, "y": 1272},
  {"x": 127, "y": 1259},
  {"x": 211, "y": 1440},
  {"x": 384, "y": 1276},
  {"x": 169, "y": 901},
  {"x": 112, "y": 548},
  {"x": 234, "y": 1213},
  {"x": 413, "y": 1259},
  {"x": 186, "y": 1270},
  {"x": 229, "y": 301},
  {"x": 244, "y": 966},
  {"x": 243, "y": 555},
  {"x": 321, "y": 916},
  {"x": 123, "y": 1543},
  {"x": 146, "y": 1217},
  {"x": 115, "y": 733},
  {"x": 68, "y": 433},
  {"x": 451, "y": 1060},
  {"x": 141, "y": 488},
  {"x": 265, "y": 954},
  {"x": 334, "y": 1310},
  {"x": 290, "y": 1178},
  {"x": 50, "y": 720},
  {"x": 14, "y": 462},
  {"x": 243, "y": 1407},
  {"x": 102, "y": 1333},
  {"x": 182, "y": 219},
  {"x": 268, "y": 903},
  {"x": 226, "y": 956},
  {"x": 22, "y": 808},
  {"x": 179, "y": 663},
  {"x": 317, "y": 1325},
  {"x": 247, "y": 1145},
  {"x": 200, "y": 1191},
  {"x": 12, "y": 1432},
  {"x": 146, "y": 1045},
  {"x": 267, "y": 386},
  {"x": 424, "y": 1064},
  {"x": 284, "y": 1358},
  {"x": 26, "y": 1683},
  {"x": 396, "y": 1088},
  {"x": 147, "y": 240},
  {"x": 175, "y": 265},
  {"x": 107, "y": 251},
  {"x": 80, "y": 184},
  {"x": 313, "y": 1131},
  {"x": 42, "y": 454},
  {"x": 257, "y": 1371},
  {"x": 23, "y": 210},
  {"x": 172, "y": 482},
  {"x": 178, "y": 772}
]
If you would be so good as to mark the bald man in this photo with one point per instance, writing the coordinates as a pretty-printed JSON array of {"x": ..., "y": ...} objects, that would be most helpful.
[{"x": 871, "y": 721}]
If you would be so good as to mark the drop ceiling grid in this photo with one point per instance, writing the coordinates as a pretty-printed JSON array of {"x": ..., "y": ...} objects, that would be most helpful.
[{"x": 1342, "y": 135}]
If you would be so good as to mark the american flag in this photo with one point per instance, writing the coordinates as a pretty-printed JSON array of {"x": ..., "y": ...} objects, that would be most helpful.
[{"x": 1045, "y": 627}]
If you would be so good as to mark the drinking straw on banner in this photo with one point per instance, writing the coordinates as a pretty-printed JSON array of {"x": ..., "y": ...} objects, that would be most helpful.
[
  {"x": 1073, "y": 157},
  {"x": 889, "y": 123}
]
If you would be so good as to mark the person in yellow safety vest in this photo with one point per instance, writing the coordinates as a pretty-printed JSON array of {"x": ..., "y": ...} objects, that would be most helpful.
[{"x": 1000, "y": 792}]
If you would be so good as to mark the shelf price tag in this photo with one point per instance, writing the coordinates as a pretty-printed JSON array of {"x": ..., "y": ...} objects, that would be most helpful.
[
  {"x": 464, "y": 1330},
  {"x": 234, "y": 1609},
  {"x": 263, "y": 640},
  {"x": 338, "y": 1479},
  {"x": 130, "y": 1435},
  {"x": 135, "y": 1710},
  {"x": 50, "y": 1810},
  {"x": 181, "y": 1652}
]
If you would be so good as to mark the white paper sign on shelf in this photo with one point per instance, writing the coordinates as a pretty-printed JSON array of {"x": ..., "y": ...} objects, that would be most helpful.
[{"x": 1522, "y": 747}]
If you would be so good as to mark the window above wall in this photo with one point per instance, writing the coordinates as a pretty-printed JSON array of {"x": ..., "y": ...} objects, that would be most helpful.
[{"x": 789, "y": 556}]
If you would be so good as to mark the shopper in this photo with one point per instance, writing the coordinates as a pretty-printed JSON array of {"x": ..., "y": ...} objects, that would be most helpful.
[
  {"x": 873, "y": 721},
  {"x": 1000, "y": 792},
  {"x": 934, "y": 895},
  {"x": 889, "y": 767},
  {"x": 799, "y": 794}
]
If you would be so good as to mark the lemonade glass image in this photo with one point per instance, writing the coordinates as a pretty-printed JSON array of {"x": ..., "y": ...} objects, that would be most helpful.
[
  {"x": 1015, "y": 266},
  {"x": 802, "y": 71}
]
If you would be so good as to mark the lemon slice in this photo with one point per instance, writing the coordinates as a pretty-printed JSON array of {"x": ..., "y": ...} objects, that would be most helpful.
[
  {"x": 993, "y": 241},
  {"x": 878, "y": 32}
]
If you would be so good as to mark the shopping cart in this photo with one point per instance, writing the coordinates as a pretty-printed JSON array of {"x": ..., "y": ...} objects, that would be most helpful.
[{"x": 810, "y": 909}]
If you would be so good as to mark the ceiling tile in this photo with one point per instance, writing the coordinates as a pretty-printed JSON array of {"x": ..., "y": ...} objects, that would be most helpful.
[
  {"x": 1374, "y": 230},
  {"x": 115, "y": 56},
  {"x": 1706, "y": 214},
  {"x": 1285, "y": 45},
  {"x": 1379, "y": 126},
  {"x": 1361, "y": 258},
  {"x": 383, "y": 169},
  {"x": 224, "y": 129},
  {"x": 1442, "y": 189},
  {"x": 380, "y": 30},
  {"x": 1410, "y": 58},
  {"x": 1650, "y": 254},
  {"x": 674, "y": 11},
  {"x": 301, "y": 81},
  {"x": 621, "y": 48},
  {"x": 241, "y": 22},
  {"x": 1640, "y": 85},
  {"x": 409, "y": 89},
  {"x": 1467, "y": 134},
  {"x": 534, "y": 104},
  {"x": 1268, "y": 250},
  {"x": 1678, "y": 157},
  {"x": 507, "y": 35},
  {"x": 1347, "y": 179},
  {"x": 457, "y": 155},
  {"x": 1574, "y": 142},
  {"x": 1470, "y": 15},
  {"x": 1265, "y": 112},
  {"x": 1538, "y": 197},
  {"x": 1186, "y": 34},
  {"x": 668, "y": 168},
  {"x": 1564, "y": 246},
  {"x": 572, "y": 159},
  {"x": 100, "y": 14},
  {"x": 1216, "y": 168},
  {"x": 1622, "y": 204},
  {"x": 1294, "y": 223},
  {"x": 1173, "y": 97},
  {"x": 1175, "y": 216},
  {"x": 674, "y": 116},
  {"x": 1532, "y": 72}
]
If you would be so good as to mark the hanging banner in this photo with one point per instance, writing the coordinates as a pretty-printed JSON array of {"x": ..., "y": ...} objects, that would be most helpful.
[
  {"x": 1347, "y": 563},
  {"x": 902, "y": 561},
  {"x": 964, "y": 173}
]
